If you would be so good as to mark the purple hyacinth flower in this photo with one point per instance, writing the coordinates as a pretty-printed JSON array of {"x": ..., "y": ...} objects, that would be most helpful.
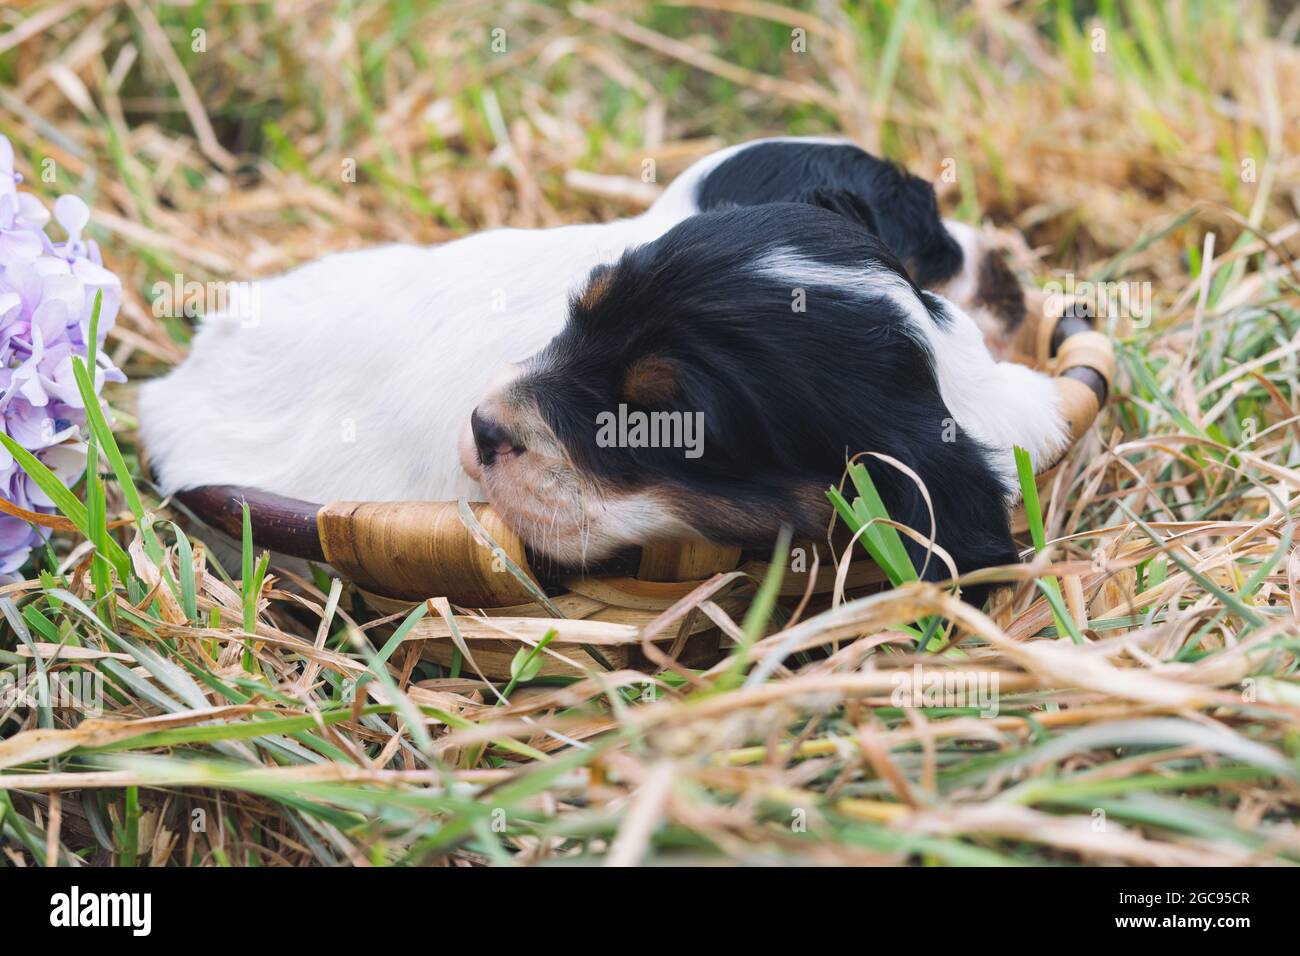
[{"x": 47, "y": 295}]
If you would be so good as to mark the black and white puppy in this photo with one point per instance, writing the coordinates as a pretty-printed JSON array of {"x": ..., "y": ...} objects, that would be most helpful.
[
  {"x": 713, "y": 382},
  {"x": 355, "y": 376}
]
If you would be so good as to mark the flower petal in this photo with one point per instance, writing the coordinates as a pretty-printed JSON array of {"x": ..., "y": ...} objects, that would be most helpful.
[{"x": 73, "y": 214}]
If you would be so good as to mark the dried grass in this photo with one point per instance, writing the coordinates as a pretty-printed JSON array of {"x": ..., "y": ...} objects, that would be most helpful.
[{"x": 1166, "y": 738}]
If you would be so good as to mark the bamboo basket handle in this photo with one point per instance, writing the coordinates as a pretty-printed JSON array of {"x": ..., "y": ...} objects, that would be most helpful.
[
  {"x": 1084, "y": 360},
  {"x": 287, "y": 525},
  {"x": 1085, "y": 369},
  {"x": 405, "y": 549},
  {"x": 685, "y": 561},
  {"x": 422, "y": 549}
]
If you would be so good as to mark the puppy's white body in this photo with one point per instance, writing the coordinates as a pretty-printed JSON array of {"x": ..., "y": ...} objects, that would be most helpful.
[{"x": 362, "y": 368}]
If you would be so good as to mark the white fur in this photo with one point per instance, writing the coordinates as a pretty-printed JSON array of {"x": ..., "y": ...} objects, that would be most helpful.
[
  {"x": 961, "y": 287},
  {"x": 1002, "y": 404},
  {"x": 364, "y": 365}
]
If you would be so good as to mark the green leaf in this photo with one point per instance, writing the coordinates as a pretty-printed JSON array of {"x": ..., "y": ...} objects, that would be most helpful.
[
  {"x": 45, "y": 715},
  {"x": 1142, "y": 373},
  {"x": 92, "y": 343},
  {"x": 525, "y": 665},
  {"x": 1064, "y": 622},
  {"x": 249, "y": 580},
  {"x": 393, "y": 641},
  {"x": 189, "y": 588},
  {"x": 48, "y": 482},
  {"x": 99, "y": 426},
  {"x": 883, "y": 543},
  {"x": 760, "y": 609},
  {"x": 97, "y": 514},
  {"x": 63, "y": 499},
  {"x": 1050, "y": 587},
  {"x": 1249, "y": 614},
  {"x": 1029, "y": 494},
  {"x": 893, "y": 555}
]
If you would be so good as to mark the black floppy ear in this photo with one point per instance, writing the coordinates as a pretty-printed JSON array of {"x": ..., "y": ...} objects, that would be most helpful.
[{"x": 843, "y": 203}]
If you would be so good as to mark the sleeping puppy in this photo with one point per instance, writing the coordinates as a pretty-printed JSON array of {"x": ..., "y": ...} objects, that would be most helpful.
[
  {"x": 756, "y": 348},
  {"x": 357, "y": 374}
]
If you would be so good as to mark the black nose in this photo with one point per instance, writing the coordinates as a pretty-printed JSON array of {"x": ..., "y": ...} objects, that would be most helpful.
[{"x": 490, "y": 438}]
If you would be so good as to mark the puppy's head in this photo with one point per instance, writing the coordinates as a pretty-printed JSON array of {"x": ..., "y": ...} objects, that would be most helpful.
[{"x": 710, "y": 384}]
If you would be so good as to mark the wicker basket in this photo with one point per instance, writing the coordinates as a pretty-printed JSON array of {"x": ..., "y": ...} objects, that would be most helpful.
[{"x": 397, "y": 553}]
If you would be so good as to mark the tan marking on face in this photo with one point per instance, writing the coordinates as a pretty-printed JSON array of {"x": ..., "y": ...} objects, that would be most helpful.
[
  {"x": 596, "y": 289},
  {"x": 651, "y": 380},
  {"x": 536, "y": 491},
  {"x": 559, "y": 511},
  {"x": 563, "y": 514}
]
